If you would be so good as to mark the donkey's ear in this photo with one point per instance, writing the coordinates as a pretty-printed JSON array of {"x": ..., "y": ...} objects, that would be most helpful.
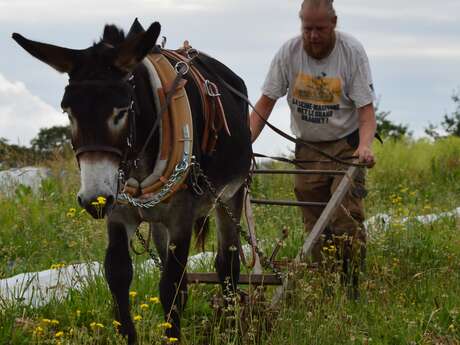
[
  {"x": 61, "y": 59},
  {"x": 135, "y": 48},
  {"x": 136, "y": 28}
]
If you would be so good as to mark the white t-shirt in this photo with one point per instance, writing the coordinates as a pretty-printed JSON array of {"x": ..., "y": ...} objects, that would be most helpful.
[{"x": 323, "y": 95}]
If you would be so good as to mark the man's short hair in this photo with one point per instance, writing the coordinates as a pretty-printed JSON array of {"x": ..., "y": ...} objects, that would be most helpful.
[{"x": 329, "y": 4}]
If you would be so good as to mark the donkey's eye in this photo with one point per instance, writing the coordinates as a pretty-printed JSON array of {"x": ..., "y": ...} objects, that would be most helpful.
[{"x": 119, "y": 114}]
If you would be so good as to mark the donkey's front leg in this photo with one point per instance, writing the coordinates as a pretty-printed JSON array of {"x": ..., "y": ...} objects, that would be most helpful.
[
  {"x": 173, "y": 283},
  {"x": 119, "y": 273}
]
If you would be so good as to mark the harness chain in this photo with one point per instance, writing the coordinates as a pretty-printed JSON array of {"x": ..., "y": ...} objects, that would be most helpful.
[
  {"x": 154, "y": 256},
  {"x": 267, "y": 264},
  {"x": 242, "y": 232}
]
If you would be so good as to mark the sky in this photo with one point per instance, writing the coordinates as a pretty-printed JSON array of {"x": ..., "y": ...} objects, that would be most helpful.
[{"x": 413, "y": 47}]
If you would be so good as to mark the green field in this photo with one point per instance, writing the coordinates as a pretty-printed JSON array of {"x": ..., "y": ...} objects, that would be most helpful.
[{"x": 410, "y": 293}]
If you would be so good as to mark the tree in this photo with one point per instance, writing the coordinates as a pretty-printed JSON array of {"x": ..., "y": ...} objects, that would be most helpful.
[
  {"x": 14, "y": 155},
  {"x": 388, "y": 129},
  {"x": 450, "y": 123},
  {"x": 51, "y": 139}
]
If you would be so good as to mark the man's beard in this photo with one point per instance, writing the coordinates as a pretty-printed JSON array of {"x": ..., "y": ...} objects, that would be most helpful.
[{"x": 320, "y": 51}]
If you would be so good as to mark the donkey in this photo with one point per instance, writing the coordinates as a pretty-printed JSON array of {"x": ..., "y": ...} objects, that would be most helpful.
[{"x": 103, "y": 80}]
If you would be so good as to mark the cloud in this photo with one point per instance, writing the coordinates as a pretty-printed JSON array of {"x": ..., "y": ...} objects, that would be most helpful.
[
  {"x": 413, "y": 45},
  {"x": 22, "y": 114},
  {"x": 392, "y": 11}
]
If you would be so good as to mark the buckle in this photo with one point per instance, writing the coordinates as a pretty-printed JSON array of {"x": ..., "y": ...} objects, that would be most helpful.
[{"x": 211, "y": 89}]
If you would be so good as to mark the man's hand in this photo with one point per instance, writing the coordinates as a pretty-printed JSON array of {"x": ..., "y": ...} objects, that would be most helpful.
[
  {"x": 365, "y": 155},
  {"x": 367, "y": 128}
]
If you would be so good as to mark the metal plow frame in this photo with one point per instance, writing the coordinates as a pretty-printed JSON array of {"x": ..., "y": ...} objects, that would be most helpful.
[{"x": 257, "y": 277}]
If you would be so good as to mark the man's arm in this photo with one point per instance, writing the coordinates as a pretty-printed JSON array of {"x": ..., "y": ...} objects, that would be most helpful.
[
  {"x": 367, "y": 129},
  {"x": 264, "y": 107}
]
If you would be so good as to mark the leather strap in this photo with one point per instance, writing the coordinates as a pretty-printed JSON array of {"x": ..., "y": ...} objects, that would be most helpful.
[
  {"x": 213, "y": 110},
  {"x": 98, "y": 148}
]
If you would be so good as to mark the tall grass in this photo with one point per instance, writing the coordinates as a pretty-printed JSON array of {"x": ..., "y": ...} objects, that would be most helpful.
[{"x": 410, "y": 293}]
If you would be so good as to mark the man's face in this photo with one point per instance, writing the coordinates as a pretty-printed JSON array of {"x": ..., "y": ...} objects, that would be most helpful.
[{"x": 318, "y": 31}]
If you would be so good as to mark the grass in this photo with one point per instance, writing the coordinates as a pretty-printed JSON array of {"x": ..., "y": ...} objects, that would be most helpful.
[{"x": 410, "y": 293}]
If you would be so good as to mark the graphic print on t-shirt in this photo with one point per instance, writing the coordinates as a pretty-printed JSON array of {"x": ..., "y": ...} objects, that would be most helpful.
[{"x": 316, "y": 98}]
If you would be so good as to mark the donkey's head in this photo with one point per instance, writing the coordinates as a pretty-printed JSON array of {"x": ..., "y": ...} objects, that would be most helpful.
[{"x": 97, "y": 101}]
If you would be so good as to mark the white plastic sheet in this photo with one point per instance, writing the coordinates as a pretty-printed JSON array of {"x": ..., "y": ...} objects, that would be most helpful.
[
  {"x": 29, "y": 176},
  {"x": 383, "y": 221},
  {"x": 39, "y": 288}
]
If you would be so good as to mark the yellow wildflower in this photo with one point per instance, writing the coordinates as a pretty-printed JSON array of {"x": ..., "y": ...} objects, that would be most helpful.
[
  {"x": 172, "y": 340},
  {"x": 59, "y": 334},
  {"x": 165, "y": 325},
  {"x": 54, "y": 322},
  {"x": 144, "y": 306},
  {"x": 101, "y": 200},
  {"x": 95, "y": 325},
  {"x": 38, "y": 331},
  {"x": 154, "y": 300},
  {"x": 116, "y": 324},
  {"x": 137, "y": 318},
  {"x": 71, "y": 212},
  {"x": 46, "y": 320},
  {"x": 132, "y": 294}
]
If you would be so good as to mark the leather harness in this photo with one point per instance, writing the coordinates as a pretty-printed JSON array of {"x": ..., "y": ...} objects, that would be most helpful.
[
  {"x": 213, "y": 110},
  {"x": 174, "y": 144}
]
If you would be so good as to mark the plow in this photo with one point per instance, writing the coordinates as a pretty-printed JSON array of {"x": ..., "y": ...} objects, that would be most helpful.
[{"x": 259, "y": 275}]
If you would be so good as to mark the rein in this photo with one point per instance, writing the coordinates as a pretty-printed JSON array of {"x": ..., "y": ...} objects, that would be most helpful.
[{"x": 298, "y": 162}]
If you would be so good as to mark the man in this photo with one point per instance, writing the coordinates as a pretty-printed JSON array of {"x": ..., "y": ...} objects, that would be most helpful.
[{"x": 326, "y": 76}]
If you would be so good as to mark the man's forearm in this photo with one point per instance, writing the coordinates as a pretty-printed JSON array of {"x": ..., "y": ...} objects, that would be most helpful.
[
  {"x": 264, "y": 107},
  {"x": 367, "y": 125}
]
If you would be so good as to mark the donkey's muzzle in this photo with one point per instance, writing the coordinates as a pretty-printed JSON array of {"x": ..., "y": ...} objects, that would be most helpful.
[{"x": 97, "y": 207}]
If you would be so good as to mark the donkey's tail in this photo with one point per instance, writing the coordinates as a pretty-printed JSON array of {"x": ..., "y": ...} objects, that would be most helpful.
[{"x": 201, "y": 232}]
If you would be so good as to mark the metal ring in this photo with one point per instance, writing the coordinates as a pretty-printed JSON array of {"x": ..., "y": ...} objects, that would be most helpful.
[
  {"x": 182, "y": 68},
  {"x": 192, "y": 53}
]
